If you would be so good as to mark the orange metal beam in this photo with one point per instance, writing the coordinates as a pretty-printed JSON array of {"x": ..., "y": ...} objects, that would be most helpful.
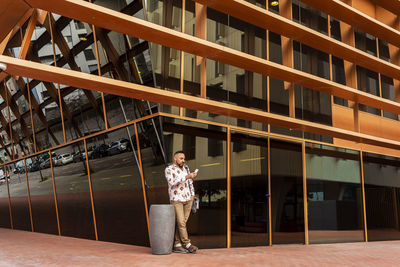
[
  {"x": 12, "y": 12},
  {"x": 21, "y": 22},
  {"x": 287, "y": 54},
  {"x": 119, "y": 22},
  {"x": 286, "y": 27},
  {"x": 126, "y": 89},
  {"x": 26, "y": 42}
]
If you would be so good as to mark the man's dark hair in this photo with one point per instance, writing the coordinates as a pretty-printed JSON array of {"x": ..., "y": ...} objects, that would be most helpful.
[{"x": 179, "y": 152}]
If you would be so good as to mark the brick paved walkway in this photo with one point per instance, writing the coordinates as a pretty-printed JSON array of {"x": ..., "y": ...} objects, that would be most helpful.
[{"x": 19, "y": 248}]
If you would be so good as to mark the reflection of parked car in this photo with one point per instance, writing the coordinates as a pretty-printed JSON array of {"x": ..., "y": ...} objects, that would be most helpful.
[
  {"x": 119, "y": 147},
  {"x": 3, "y": 175},
  {"x": 34, "y": 166},
  {"x": 45, "y": 164},
  {"x": 64, "y": 159},
  {"x": 99, "y": 152},
  {"x": 89, "y": 152},
  {"x": 20, "y": 166},
  {"x": 46, "y": 155},
  {"x": 19, "y": 170},
  {"x": 77, "y": 156}
]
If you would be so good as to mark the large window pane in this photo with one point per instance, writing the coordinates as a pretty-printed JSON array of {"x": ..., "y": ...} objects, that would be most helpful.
[
  {"x": 128, "y": 58},
  {"x": 382, "y": 196},
  {"x": 117, "y": 188},
  {"x": 19, "y": 197},
  {"x": 204, "y": 148},
  {"x": 286, "y": 193},
  {"x": 249, "y": 186},
  {"x": 4, "y": 207},
  {"x": 42, "y": 197},
  {"x": 72, "y": 188},
  {"x": 333, "y": 194}
]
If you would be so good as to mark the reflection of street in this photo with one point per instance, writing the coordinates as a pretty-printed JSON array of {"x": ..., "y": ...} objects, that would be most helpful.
[{"x": 109, "y": 173}]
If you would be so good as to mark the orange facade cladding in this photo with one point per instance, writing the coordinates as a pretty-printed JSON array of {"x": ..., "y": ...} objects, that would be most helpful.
[{"x": 342, "y": 117}]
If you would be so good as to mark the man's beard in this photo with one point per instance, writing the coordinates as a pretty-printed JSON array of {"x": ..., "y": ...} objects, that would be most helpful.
[{"x": 180, "y": 165}]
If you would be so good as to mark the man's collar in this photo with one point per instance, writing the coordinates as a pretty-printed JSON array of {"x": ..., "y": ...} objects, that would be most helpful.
[{"x": 175, "y": 165}]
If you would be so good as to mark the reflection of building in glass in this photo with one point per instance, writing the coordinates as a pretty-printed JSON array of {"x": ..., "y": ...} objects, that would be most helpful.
[{"x": 288, "y": 111}]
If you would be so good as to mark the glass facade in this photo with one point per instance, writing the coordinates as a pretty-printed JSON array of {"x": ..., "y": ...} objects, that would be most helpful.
[
  {"x": 381, "y": 174},
  {"x": 205, "y": 149},
  {"x": 249, "y": 186},
  {"x": 287, "y": 204},
  {"x": 276, "y": 158},
  {"x": 334, "y": 194}
]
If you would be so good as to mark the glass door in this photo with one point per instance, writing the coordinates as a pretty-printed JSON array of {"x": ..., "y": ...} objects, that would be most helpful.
[
  {"x": 287, "y": 206},
  {"x": 249, "y": 190}
]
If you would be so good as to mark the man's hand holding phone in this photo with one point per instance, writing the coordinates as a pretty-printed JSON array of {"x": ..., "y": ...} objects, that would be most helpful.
[{"x": 194, "y": 174}]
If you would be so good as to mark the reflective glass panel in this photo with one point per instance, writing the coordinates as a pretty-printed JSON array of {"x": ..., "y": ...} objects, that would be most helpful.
[
  {"x": 72, "y": 188},
  {"x": 42, "y": 197},
  {"x": 382, "y": 196},
  {"x": 249, "y": 187},
  {"x": 286, "y": 193},
  {"x": 117, "y": 188},
  {"x": 334, "y": 194},
  {"x": 19, "y": 196},
  {"x": 205, "y": 149},
  {"x": 4, "y": 205}
]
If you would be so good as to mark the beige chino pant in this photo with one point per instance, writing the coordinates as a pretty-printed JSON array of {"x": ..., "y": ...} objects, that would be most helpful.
[{"x": 182, "y": 213}]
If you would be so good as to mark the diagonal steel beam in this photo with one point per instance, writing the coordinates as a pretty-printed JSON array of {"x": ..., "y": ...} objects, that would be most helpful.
[
  {"x": 52, "y": 90},
  {"x": 69, "y": 57},
  {"x": 13, "y": 32},
  {"x": 5, "y": 147},
  {"x": 36, "y": 108},
  {"x": 114, "y": 59},
  {"x": 5, "y": 94},
  {"x": 11, "y": 133}
]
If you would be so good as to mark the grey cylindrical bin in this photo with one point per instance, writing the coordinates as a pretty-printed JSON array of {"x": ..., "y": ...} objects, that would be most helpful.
[{"x": 162, "y": 228}]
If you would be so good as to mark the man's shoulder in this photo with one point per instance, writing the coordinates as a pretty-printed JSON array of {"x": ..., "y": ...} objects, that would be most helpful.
[{"x": 170, "y": 166}]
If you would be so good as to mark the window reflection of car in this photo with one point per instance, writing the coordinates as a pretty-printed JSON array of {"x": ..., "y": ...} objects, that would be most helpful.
[
  {"x": 34, "y": 166},
  {"x": 77, "y": 156},
  {"x": 89, "y": 152},
  {"x": 45, "y": 164},
  {"x": 46, "y": 155},
  {"x": 3, "y": 175},
  {"x": 20, "y": 166},
  {"x": 99, "y": 151},
  {"x": 119, "y": 146},
  {"x": 18, "y": 170},
  {"x": 63, "y": 159}
]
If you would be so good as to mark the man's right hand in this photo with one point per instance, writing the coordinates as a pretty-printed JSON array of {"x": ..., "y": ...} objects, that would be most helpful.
[{"x": 191, "y": 175}]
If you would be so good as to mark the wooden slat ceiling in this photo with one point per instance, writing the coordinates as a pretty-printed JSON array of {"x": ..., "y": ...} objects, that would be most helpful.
[{"x": 11, "y": 11}]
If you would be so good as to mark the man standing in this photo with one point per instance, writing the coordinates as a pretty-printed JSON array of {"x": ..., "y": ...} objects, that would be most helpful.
[{"x": 181, "y": 195}]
